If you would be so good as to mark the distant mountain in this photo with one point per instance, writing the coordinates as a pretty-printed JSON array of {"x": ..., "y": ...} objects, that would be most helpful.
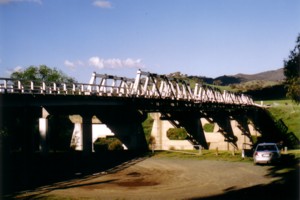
[
  {"x": 261, "y": 86},
  {"x": 267, "y": 76},
  {"x": 273, "y": 75}
]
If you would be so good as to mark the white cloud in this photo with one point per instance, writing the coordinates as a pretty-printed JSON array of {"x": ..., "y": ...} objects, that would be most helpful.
[
  {"x": 12, "y": 1},
  {"x": 69, "y": 64},
  {"x": 111, "y": 63},
  {"x": 73, "y": 64},
  {"x": 16, "y": 69},
  {"x": 115, "y": 63},
  {"x": 102, "y": 4},
  {"x": 96, "y": 62}
]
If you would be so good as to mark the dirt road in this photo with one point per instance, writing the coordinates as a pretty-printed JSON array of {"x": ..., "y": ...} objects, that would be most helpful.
[{"x": 167, "y": 178}]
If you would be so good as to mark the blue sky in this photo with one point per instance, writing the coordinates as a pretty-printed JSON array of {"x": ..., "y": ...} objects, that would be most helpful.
[{"x": 196, "y": 37}]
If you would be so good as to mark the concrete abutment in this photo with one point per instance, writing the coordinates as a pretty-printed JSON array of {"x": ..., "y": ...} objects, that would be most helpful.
[{"x": 229, "y": 133}]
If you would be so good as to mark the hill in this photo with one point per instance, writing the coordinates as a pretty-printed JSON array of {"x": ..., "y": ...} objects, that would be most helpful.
[
  {"x": 273, "y": 75},
  {"x": 261, "y": 86},
  {"x": 267, "y": 76}
]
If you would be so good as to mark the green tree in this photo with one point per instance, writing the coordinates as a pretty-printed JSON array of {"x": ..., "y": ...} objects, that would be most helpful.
[
  {"x": 292, "y": 73},
  {"x": 42, "y": 73},
  {"x": 60, "y": 131}
]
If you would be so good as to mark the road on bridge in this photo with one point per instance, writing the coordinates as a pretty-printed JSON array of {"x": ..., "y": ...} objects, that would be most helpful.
[{"x": 176, "y": 178}]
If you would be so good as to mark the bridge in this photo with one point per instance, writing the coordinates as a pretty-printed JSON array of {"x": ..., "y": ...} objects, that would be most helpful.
[{"x": 122, "y": 104}]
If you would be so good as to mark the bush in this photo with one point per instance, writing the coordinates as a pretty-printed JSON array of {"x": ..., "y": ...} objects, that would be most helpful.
[
  {"x": 105, "y": 144},
  {"x": 209, "y": 127},
  {"x": 177, "y": 134},
  {"x": 115, "y": 145}
]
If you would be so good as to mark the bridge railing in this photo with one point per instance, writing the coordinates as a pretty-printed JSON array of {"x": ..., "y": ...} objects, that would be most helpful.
[
  {"x": 145, "y": 85},
  {"x": 111, "y": 85},
  {"x": 37, "y": 87}
]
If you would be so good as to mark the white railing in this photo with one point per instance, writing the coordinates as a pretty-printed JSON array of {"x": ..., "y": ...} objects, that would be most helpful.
[{"x": 145, "y": 85}]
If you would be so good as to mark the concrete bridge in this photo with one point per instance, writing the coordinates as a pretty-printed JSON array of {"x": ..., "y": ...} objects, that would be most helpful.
[{"x": 122, "y": 104}]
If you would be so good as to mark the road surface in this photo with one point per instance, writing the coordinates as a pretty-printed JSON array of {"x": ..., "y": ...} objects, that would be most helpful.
[{"x": 173, "y": 178}]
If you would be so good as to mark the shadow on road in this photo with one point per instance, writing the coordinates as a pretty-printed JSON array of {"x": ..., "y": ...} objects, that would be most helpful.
[
  {"x": 24, "y": 173},
  {"x": 286, "y": 186},
  {"x": 68, "y": 170}
]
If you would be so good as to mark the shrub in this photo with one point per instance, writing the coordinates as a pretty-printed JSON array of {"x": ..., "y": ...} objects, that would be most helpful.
[
  {"x": 115, "y": 145},
  {"x": 105, "y": 144},
  {"x": 209, "y": 127},
  {"x": 177, "y": 134}
]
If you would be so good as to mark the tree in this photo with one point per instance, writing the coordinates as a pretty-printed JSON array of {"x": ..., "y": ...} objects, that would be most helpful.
[
  {"x": 42, "y": 73},
  {"x": 61, "y": 131},
  {"x": 292, "y": 73}
]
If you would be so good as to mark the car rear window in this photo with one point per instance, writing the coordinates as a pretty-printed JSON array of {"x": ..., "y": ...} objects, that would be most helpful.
[{"x": 266, "y": 148}]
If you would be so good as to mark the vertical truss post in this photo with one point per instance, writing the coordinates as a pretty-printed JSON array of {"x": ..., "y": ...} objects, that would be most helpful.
[{"x": 136, "y": 83}]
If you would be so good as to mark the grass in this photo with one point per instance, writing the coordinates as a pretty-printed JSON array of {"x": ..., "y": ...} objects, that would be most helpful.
[
  {"x": 295, "y": 152},
  {"x": 205, "y": 155},
  {"x": 288, "y": 112},
  {"x": 147, "y": 126},
  {"x": 214, "y": 155}
]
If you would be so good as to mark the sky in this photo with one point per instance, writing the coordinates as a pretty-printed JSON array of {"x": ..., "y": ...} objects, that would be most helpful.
[{"x": 196, "y": 37}]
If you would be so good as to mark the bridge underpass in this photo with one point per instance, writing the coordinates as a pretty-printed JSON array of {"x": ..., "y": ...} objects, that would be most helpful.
[{"x": 123, "y": 104}]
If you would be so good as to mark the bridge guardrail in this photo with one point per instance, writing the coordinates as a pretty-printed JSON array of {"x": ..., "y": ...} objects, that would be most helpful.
[{"x": 145, "y": 85}]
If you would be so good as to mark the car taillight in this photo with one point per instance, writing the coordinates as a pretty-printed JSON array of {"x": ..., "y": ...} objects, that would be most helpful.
[{"x": 256, "y": 154}]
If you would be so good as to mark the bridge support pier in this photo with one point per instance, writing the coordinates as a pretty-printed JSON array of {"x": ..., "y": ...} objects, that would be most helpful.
[
  {"x": 193, "y": 126},
  {"x": 159, "y": 133},
  {"x": 235, "y": 129},
  {"x": 76, "y": 141},
  {"x": 190, "y": 122},
  {"x": 225, "y": 128},
  {"x": 243, "y": 132},
  {"x": 82, "y": 138},
  {"x": 87, "y": 134},
  {"x": 43, "y": 129}
]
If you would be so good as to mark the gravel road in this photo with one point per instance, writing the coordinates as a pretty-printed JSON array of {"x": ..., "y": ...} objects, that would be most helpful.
[{"x": 166, "y": 178}]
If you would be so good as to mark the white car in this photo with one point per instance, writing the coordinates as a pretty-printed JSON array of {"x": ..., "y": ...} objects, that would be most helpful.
[{"x": 266, "y": 153}]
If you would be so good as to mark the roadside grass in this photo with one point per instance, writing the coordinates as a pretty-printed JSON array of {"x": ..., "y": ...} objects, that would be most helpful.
[
  {"x": 295, "y": 152},
  {"x": 231, "y": 156},
  {"x": 288, "y": 112},
  {"x": 235, "y": 156}
]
